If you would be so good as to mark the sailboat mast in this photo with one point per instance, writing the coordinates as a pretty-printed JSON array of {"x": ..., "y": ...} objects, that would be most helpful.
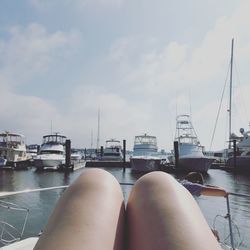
[
  {"x": 91, "y": 141},
  {"x": 230, "y": 95},
  {"x": 98, "y": 130}
]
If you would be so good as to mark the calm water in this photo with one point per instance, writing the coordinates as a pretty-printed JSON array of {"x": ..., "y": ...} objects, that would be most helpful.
[{"x": 41, "y": 204}]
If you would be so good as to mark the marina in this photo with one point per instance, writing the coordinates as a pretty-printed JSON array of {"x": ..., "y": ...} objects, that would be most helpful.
[{"x": 130, "y": 87}]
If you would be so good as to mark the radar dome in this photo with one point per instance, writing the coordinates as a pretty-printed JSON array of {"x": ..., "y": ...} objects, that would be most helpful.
[{"x": 242, "y": 131}]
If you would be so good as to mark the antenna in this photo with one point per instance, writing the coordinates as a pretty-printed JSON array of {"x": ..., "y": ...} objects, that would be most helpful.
[
  {"x": 190, "y": 107},
  {"x": 91, "y": 143}
]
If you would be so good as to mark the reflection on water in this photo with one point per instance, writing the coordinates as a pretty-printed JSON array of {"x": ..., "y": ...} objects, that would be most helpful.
[{"x": 41, "y": 204}]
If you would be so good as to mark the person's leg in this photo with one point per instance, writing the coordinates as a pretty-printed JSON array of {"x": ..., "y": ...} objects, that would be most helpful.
[
  {"x": 88, "y": 216},
  {"x": 162, "y": 214}
]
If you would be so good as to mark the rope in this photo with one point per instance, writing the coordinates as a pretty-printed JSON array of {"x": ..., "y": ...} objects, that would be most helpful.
[{"x": 218, "y": 113}]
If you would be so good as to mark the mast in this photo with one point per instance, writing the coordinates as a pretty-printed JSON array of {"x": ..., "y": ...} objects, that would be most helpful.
[
  {"x": 98, "y": 130},
  {"x": 91, "y": 142},
  {"x": 230, "y": 95}
]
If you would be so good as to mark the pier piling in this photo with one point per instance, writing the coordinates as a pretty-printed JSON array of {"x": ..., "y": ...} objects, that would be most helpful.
[
  {"x": 101, "y": 152},
  {"x": 124, "y": 155},
  {"x": 234, "y": 147},
  {"x": 68, "y": 154},
  {"x": 176, "y": 154}
]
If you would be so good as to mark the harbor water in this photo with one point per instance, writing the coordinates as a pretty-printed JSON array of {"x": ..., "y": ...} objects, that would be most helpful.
[{"x": 41, "y": 204}]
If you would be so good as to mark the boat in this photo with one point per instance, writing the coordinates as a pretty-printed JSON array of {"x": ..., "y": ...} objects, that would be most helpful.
[
  {"x": 241, "y": 160},
  {"x": 76, "y": 155},
  {"x": 32, "y": 150},
  {"x": 190, "y": 151},
  {"x": 52, "y": 152},
  {"x": 13, "y": 150},
  {"x": 3, "y": 162},
  {"x": 145, "y": 157},
  {"x": 238, "y": 157},
  {"x": 112, "y": 151}
]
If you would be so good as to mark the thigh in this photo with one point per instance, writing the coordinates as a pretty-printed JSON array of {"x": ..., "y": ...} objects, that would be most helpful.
[
  {"x": 89, "y": 215},
  {"x": 162, "y": 215}
]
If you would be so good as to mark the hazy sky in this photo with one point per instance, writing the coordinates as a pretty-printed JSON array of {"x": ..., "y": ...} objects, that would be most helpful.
[{"x": 140, "y": 62}]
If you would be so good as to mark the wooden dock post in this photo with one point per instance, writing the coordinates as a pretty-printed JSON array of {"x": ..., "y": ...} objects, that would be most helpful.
[
  {"x": 176, "y": 154},
  {"x": 124, "y": 155},
  {"x": 38, "y": 149},
  {"x": 85, "y": 153},
  {"x": 234, "y": 147},
  {"x": 101, "y": 152},
  {"x": 68, "y": 154}
]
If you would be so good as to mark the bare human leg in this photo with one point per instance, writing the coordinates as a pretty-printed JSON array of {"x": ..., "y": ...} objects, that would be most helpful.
[
  {"x": 88, "y": 216},
  {"x": 162, "y": 214}
]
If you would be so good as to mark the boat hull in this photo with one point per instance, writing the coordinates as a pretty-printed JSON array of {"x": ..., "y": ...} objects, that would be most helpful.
[
  {"x": 145, "y": 164},
  {"x": 48, "y": 162},
  {"x": 242, "y": 163},
  {"x": 195, "y": 164},
  {"x": 2, "y": 162},
  {"x": 111, "y": 158}
]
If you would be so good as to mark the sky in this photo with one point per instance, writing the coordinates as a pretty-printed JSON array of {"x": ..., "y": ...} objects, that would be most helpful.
[{"x": 141, "y": 63}]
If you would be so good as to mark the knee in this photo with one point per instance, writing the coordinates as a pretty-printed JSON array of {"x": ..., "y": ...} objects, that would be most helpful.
[
  {"x": 96, "y": 180},
  {"x": 156, "y": 184},
  {"x": 155, "y": 179}
]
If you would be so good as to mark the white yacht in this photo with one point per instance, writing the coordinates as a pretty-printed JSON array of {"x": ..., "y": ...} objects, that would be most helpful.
[
  {"x": 76, "y": 155},
  {"x": 112, "y": 151},
  {"x": 13, "y": 150},
  {"x": 32, "y": 150},
  {"x": 242, "y": 152},
  {"x": 52, "y": 152},
  {"x": 145, "y": 157},
  {"x": 191, "y": 157}
]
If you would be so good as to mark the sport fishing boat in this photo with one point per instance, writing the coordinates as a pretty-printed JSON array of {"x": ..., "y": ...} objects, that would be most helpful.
[
  {"x": 145, "y": 157},
  {"x": 52, "y": 152},
  {"x": 112, "y": 151},
  {"x": 191, "y": 157},
  {"x": 13, "y": 150}
]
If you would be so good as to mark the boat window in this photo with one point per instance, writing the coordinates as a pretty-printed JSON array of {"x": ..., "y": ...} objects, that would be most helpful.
[
  {"x": 51, "y": 152},
  {"x": 112, "y": 154}
]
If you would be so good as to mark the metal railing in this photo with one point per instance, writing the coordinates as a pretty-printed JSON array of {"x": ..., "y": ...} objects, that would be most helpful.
[{"x": 8, "y": 232}]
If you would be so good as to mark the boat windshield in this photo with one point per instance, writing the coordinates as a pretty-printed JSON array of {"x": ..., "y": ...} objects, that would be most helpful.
[
  {"x": 145, "y": 139},
  {"x": 58, "y": 152},
  {"x": 54, "y": 139},
  {"x": 11, "y": 138},
  {"x": 113, "y": 143}
]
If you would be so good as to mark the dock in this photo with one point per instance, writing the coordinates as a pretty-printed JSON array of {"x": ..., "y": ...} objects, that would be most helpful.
[
  {"x": 74, "y": 165},
  {"x": 108, "y": 164}
]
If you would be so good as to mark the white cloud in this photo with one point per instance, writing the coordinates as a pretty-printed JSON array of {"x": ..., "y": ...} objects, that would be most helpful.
[
  {"x": 145, "y": 77},
  {"x": 30, "y": 52},
  {"x": 27, "y": 115},
  {"x": 78, "y": 4}
]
